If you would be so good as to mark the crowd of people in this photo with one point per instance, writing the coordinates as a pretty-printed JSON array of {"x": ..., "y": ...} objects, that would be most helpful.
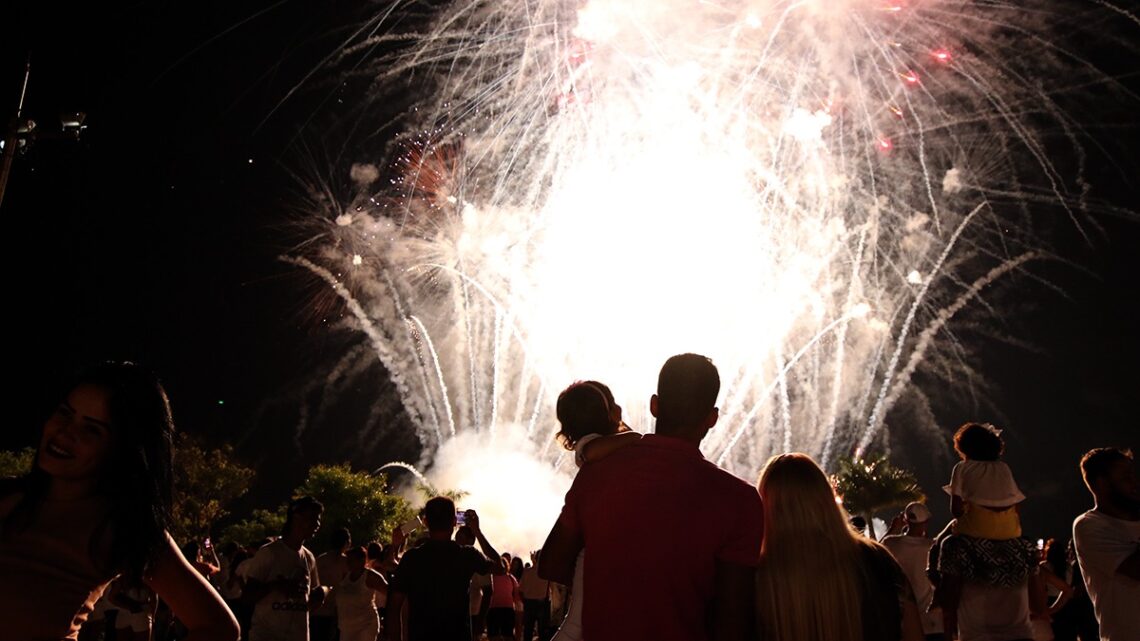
[{"x": 678, "y": 548}]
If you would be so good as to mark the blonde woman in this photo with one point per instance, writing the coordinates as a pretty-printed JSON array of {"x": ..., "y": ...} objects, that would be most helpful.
[{"x": 818, "y": 580}]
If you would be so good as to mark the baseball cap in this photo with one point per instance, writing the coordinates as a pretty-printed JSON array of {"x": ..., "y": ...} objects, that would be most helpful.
[{"x": 917, "y": 513}]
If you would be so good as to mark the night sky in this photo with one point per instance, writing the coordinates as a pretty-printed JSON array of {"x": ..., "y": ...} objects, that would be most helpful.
[{"x": 155, "y": 238}]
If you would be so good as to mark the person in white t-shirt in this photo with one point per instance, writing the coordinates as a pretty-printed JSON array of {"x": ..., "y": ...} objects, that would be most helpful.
[
  {"x": 282, "y": 578},
  {"x": 910, "y": 550},
  {"x": 1107, "y": 540}
]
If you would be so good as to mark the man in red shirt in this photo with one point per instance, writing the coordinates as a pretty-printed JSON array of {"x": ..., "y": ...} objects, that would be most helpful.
[{"x": 672, "y": 539}]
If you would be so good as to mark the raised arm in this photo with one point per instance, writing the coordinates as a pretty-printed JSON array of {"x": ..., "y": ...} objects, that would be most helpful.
[
  {"x": 472, "y": 520},
  {"x": 194, "y": 601}
]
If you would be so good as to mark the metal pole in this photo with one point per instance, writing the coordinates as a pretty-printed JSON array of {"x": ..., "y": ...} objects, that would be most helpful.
[{"x": 12, "y": 135}]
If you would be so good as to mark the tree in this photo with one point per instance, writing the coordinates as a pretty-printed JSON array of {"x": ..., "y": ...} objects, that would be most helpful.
[
  {"x": 260, "y": 525},
  {"x": 873, "y": 486},
  {"x": 16, "y": 463},
  {"x": 206, "y": 481},
  {"x": 358, "y": 501}
]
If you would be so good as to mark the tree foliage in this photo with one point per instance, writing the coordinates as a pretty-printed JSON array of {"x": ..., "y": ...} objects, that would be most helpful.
[
  {"x": 16, "y": 463},
  {"x": 260, "y": 525},
  {"x": 870, "y": 487},
  {"x": 206, "y": 481},
  {"x": 356, "y": 500}
]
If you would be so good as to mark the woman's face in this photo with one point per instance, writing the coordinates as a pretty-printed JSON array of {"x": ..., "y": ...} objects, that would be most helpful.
[{"x": 76, "y": 438}]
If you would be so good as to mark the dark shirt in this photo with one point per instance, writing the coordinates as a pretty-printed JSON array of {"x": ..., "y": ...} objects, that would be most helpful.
[
  {"x": 436, "y": 577},
  {"x": 885, "y": 588},
  {"x": 656, "y": 517}
]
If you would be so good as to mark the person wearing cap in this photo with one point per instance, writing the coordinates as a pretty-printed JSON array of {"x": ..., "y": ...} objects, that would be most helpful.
[{"x": 909, "y": 543}]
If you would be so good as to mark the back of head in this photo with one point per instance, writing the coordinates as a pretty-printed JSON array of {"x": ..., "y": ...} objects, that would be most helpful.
[
  {"x": 439, "y": 514},
  {"x": 808, "y": 584},
  {"x": 375, "y": 551},
  {"x": 917, "y": 514},
  {"x": 340, "y": 537},
  {"x": 979, "y": 442},
  {"x": 191, "y": 551},
  {"x": 464, "y": 535},
  {"x": 687, "y": 388},
  {"x": 584, "y": 408},
  {"x": 1096, "y": 464}
]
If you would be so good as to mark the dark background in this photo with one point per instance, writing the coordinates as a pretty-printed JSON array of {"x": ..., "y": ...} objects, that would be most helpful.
[{"x": 155, "y": 238}]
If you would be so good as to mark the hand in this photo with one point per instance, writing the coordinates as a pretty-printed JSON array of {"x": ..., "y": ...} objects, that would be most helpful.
[
  {"x": 398, "y": 536},
  {"x": 897, "y": 523},
  {"x": 473, "y": 522}
]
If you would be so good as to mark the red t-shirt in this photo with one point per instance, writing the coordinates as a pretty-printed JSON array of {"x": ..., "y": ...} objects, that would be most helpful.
[{"x": 655, "y": 517}]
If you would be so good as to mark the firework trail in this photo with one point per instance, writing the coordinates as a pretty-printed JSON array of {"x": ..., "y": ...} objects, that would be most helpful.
[{"x": 806, "y": 191}]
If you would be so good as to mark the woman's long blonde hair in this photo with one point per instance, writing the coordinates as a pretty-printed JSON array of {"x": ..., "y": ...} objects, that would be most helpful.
[{"x": 808, "y": 583}]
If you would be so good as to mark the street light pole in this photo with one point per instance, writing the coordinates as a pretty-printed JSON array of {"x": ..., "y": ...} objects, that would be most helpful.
[{"x": 12, "y": 135}]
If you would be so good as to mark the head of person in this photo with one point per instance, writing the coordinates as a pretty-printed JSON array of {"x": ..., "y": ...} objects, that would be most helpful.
[
  {"x": 517, "y": 568},
  {"x": 979, "y": 442},
  {"x": 439, "y": 515},
  {"x": 798, "y": 499},
  {"x": 685, "y": 402},
  {"x": 917, "y": 518},
  {"x": 585, "y": 407},
  {"x": 464, "y": 536},
  {"x": 375, "y": 551},
  {"x": 1055, "y": 556},
  {"x": 303, "y": 518},
  {"x": 808, "y": 583},
  {"x": 355, "y": 558},
  {"x": 110, "y": 436},
  {"x": 192, "y": 551},
  {"x": 340, "y": 539},
  {"x": 1110, "y": 474}
]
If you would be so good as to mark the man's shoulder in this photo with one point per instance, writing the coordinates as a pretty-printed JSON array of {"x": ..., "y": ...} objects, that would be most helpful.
[{"x": 727, "y": 484}]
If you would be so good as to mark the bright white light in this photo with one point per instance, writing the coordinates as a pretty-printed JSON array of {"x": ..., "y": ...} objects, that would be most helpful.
[{"x": 778, "y": 185}]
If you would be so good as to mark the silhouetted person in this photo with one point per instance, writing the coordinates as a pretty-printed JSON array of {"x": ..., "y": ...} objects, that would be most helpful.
[
  {"x": 282, "y": 578},
  {"x": 433, "y": 579},
  {"x": 673, "y": 540},
  {"x": 1107, "y": 540}
]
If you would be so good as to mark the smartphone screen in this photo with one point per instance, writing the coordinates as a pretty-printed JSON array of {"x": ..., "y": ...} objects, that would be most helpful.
[{"x": 461, "y": 517}]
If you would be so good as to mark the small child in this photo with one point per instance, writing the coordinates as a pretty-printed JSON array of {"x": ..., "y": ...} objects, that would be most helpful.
[
  {"x": 592, "y": 428},
  {"x": 983, "y": 495}
]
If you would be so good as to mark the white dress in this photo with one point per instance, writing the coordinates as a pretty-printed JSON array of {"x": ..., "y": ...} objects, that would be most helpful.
[{"x": 571, "y": 628}]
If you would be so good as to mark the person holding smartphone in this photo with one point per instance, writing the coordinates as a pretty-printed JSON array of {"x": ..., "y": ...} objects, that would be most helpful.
[{"x": 432, "y": 579}]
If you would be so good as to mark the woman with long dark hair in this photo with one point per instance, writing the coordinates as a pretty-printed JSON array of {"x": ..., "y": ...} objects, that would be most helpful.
[{"x": 96, "y": 505}]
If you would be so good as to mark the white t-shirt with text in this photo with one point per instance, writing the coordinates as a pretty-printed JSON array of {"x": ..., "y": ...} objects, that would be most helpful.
[{"x": 279, "y": 616}]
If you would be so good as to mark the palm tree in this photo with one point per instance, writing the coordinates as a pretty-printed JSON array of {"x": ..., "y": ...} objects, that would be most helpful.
[{"x": 873, "y": 486}]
